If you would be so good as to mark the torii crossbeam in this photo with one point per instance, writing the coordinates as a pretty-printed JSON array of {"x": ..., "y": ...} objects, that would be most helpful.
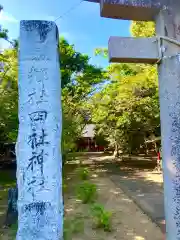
[
  {"x": 128, "y": 9},
  {"x": 164, "y": 50}
]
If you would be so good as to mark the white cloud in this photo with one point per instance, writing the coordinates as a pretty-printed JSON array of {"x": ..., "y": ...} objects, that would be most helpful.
[
  {"x": 4, "y": 45},
  {"x": 6, "y": 17}
]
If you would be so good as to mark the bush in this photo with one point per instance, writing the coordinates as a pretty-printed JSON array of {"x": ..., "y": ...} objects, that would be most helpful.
[
  {"x": 83, "y": 173},
  {"x": 86, "y": 192},
  {"x": 101, "y": 217}
]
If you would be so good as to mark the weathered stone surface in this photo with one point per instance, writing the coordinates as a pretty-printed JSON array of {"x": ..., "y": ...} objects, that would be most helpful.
[
  {"x": 40, "y": 204},
  {"x": 139, "y": 10},
  {"x": 133, "y": 50},
  {"x": 169, "y": 94}
]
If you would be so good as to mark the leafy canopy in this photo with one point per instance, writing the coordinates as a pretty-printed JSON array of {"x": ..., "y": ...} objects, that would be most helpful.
[{"x": 126, "y": 110}]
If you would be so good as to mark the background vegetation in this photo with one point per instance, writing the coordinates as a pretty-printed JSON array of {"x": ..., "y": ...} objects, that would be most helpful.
[{"x": 125, "y": 109}]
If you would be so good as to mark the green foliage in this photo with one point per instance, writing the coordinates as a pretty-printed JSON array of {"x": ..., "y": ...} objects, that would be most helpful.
[
  {"x": 126, "y": 110},
  {"x": 75, "y": 68},
  {"x": 101, "y": 217},
  {"x": 12, "y": 231},
  {"x": 3, "y": 32},
  {"x": 83, "y": 173},
  {"x": 8, "y": 96},
  {"x": 73, "y": 122},
  {"x": 73, "y": 226},
  {"x": 86, "y": 192},
  {"x": 79, "y": 79},
  {"x": 142, "y": 29}
]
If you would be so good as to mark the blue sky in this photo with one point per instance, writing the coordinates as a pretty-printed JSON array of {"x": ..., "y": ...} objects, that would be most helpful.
[{"x": 82, "y": 27}]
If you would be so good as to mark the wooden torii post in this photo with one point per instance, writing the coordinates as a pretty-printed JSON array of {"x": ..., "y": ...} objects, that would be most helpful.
[{"x": 163, "y": 49}]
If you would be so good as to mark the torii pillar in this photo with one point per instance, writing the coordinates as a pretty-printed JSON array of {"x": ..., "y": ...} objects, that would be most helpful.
[{"x": 165, "y": 50}]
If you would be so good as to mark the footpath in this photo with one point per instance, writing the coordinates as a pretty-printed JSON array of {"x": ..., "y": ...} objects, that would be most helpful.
[
  {"x": 135, "y": 197},
  {"x": 143, "y": 185},
  {"x": 130, "y": 222},
  {"x": 145, "y": 193}
]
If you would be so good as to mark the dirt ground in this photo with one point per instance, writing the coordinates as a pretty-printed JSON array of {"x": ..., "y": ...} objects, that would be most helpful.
[{"x": 128, "y": 221}]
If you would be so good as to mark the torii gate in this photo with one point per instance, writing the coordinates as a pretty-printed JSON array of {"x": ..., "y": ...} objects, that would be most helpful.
[{"x": 164, "y": 50}]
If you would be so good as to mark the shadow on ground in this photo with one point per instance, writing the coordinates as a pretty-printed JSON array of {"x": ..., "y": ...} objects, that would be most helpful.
[{"x": 136, "y": 177}]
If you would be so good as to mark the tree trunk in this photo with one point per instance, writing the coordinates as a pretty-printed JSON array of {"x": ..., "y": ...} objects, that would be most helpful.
[
  {"x": 39, "y": 163},
  {"x": 116, "y": 151}
]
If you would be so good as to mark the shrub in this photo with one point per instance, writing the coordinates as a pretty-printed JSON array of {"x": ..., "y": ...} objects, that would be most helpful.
[
  {"x": 86, "y": 192},
  {"x": 101, "y": 217},
  {"x": 83, "y": 173}
]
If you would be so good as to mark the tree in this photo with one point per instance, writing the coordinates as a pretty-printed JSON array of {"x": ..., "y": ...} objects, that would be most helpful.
[
  {"x": 3, "y": 32},
  {"x": 9, "y": 96},
  {"x": 79, "y": 80},
  {"x": 126, "y": 110},
  {"x": 142, "y": 29},
  {"x": 75, "y": 68}
]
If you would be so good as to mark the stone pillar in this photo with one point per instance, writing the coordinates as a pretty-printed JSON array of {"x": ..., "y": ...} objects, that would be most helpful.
[
  {"x": 168, "y": 25},
  {"x": 169, "y": 81},
  {"x": 38, "y": 148}
]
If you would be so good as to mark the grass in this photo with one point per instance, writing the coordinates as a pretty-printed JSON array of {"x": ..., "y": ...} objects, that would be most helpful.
[
  {"x": 13, "y": 230},
  {"x": 101, "y": 217},
  {"x": 9, "y": 233},
  {"x": 74, "y": 224},
  {"x": 7, "y": 178},
  {"x": 83, "y": 173},
  {"x": 86, "y": 192}
]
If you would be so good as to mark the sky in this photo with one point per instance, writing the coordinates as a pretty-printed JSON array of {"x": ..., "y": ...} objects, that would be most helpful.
[{"x": 81, "y": 26}]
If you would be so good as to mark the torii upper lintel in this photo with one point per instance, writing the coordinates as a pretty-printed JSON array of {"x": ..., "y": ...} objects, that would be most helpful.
[{"x": 138, "y": 10}]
